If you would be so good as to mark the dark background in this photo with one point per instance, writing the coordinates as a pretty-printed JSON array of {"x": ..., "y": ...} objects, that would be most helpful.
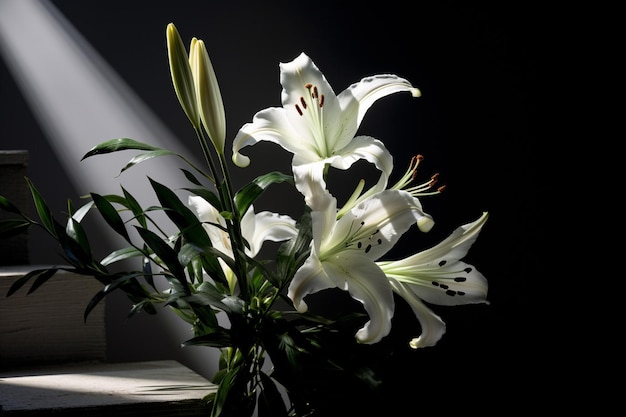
[{"x": 478, "y": 123}]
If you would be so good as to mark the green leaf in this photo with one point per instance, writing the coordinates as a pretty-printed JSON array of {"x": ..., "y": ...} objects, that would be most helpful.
[
  {"x": 218, "y": 338},
  {"x": 41, "y": 279},
  {"x": 135, "y": 208},
  {"x": 271, "y": 403},
  {"x": 122, "y": 281},
  {"x": 292, "y": 253},
  {"x": 13, "y": 227},
  {"x": 190, "y": 177},
  {"x": 79, "y": 214},
  {"x": 19, "y": 283},
  {"x": 121, "y": 254},
  {"x": 167, "y": 254},
  {"x": 115, "y": 145},
  {"x": 6, "y": 205},
  {"x": 146, "y": 156},
  {"x": 251, "y": 191},
  {"x": 42, "y": 209},
  {"x": 75, "y": 231},
  {"x": 182, "y": 216},
  {"x": 110, "y": 215}
]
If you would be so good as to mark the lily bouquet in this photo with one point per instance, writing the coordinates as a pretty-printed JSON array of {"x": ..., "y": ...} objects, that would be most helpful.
[{"x": 277, "y": 357}]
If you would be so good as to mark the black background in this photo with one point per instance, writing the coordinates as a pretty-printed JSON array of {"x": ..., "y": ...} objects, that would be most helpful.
[{"x": 478, "y": 123}]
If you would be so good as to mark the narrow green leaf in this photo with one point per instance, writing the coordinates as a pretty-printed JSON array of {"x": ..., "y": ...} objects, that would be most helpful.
[
  {"x": 13, "y": 227},
  {"x": 167, "y": 254},
  {"x": 75, "y": 231},
  {"x": 251, "y": 191},
  {"x": 271, "y": 402},
  {"x": 79, "y": 214},
  {"x": 135, "y": 208},
  {"x": 190, "y": 177},
  {"x": 120, "y": 255},
  {"x": 110, "y": 215},
  {"x": 42, "y": 278},
  {"x": 107, "y": 289},
  {"x": 219, "y": 338},
  {"x": 182, "y": 216},
  {"x": 6, "y": 205},
  {"x": 19, "y": 283},
  {"x": 115, "y": 145},
  {"x": 42, "y": 209},
  {"x": 146, "y": 156}
]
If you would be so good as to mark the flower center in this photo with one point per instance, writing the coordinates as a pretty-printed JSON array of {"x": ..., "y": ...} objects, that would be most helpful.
[
  {"x": 357, "y": 237},
  {"x": 310, "y": 107}
]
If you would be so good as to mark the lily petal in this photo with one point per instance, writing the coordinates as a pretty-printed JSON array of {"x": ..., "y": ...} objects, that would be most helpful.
[
  {"x": 438, "y": 276},
  {"x": 267, "y": 226},
  {"x": 433, "y": 327},
  {"x": 208, "y": 214},
  {"x": 367, "y": 284},
  {"x": 318, "y": 126},
  {"x": 360, "y": 96},
  {"x": 256, "y": 227},
  {"x": 343, "y": 253},
  {"x": 374, "y": 226}
]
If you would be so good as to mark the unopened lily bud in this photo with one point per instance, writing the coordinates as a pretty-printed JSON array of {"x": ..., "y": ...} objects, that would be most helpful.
[
  {"x": 208, "y": 96},
  {"x": 182, "y": 77}
]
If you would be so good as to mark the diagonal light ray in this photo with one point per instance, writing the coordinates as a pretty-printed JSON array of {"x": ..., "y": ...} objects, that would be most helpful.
[
  {"x": 79, "y": 101},
  {"x": 77, "y": 98}
]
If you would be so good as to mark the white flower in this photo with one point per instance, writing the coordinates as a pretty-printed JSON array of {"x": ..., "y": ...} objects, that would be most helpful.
[
  {"x": 343, "y": 254},
  {"x": 438, "y": 276},
  {"x": 319, "y": 127},
  {"x": 255, "y": 228}
]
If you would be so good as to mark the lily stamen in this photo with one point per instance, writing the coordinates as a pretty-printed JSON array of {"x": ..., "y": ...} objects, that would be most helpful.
[
  {"x": 419, "y": 190},
  {"x": 316, "y": 116}
]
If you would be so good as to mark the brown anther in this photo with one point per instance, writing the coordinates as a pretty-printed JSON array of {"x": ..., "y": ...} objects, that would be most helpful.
[
  {"x": 315, "y": 93},
  {"x": 322, "y": 100},
  {"x": 299, "y": 111},
  {"x": 435, "y": 176},
  {"x": 308, "y": 85},
  {"x": 303, "y": 103},
  {"x": 419, "y": 157},
  {"x": 440, "y": 189}
]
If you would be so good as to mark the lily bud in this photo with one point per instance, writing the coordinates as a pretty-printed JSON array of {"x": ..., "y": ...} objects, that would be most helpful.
[
  {"x": 182, "y": 77},
  {"x": 208, "y": 96}
]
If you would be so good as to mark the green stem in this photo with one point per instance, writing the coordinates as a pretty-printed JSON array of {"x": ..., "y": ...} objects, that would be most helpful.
[{"x": 224, "y": 186}]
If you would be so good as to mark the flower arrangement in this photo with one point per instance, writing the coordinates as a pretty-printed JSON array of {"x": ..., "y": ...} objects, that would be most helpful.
[{"x": 270, "y": 342}]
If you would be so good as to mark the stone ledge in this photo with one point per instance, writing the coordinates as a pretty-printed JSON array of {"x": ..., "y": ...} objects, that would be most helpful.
[
  {"x": 47, "y": 326},
  {"x": 95, "y": 389}
]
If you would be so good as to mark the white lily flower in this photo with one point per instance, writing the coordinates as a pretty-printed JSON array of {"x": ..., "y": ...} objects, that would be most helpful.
[
  {"x": 344, "y": 250},
  {"x": 438, "y": 276},
  {"x": 255, "y": 227},
  {"x": 319, "y": 127}
]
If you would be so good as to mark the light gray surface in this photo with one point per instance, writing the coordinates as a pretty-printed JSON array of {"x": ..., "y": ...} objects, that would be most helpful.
[{"x": 135, "y": 388}]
